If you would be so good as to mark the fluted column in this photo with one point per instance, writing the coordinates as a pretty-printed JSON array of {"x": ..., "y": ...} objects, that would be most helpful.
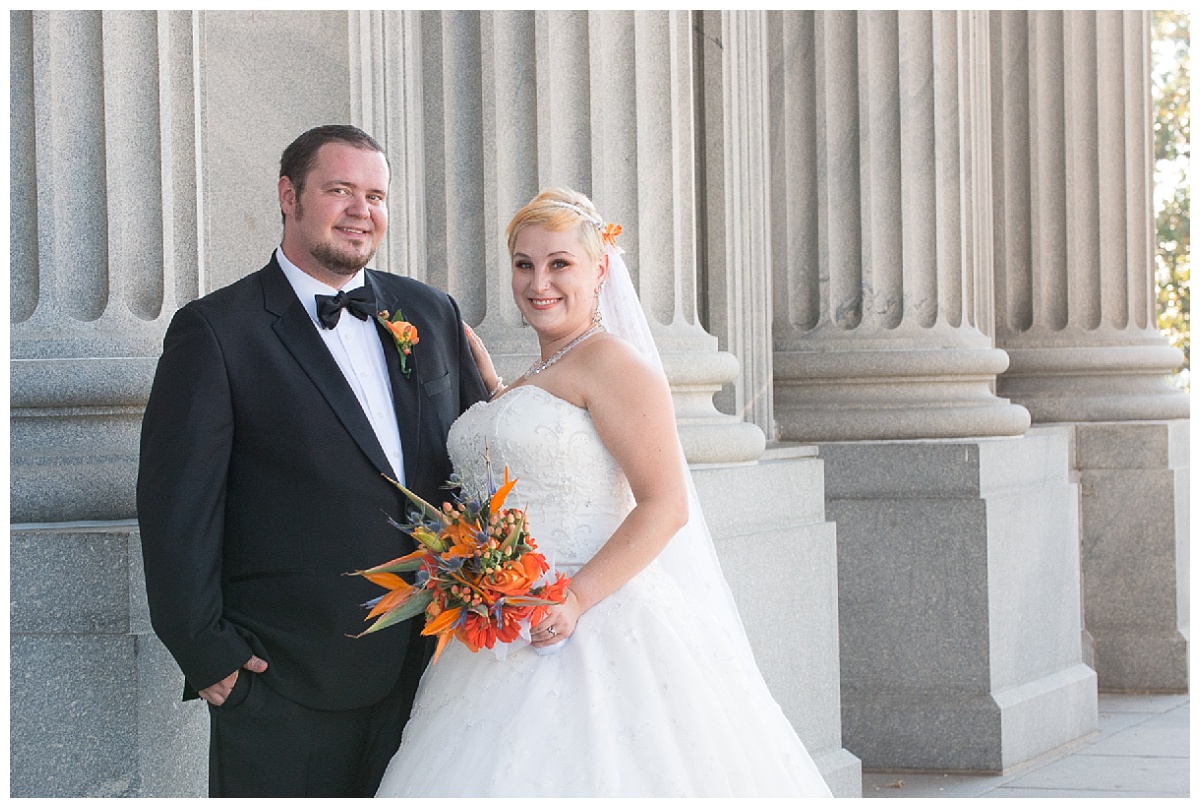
[
  {"x": 736, "y": 189},
  {"x": 665, "y": 265},
  {"x": 516, "y": 101},
  {"x": 106, "y": 244},
  {"x": 876, "y": 248},
  {"x": 1073, "y": 231},
  {"x": 104, "y": 225},
  {"x": 1075, "y": 311},
  {"x": 386, "y": 75},
  {"x": 881, "y": 253}
]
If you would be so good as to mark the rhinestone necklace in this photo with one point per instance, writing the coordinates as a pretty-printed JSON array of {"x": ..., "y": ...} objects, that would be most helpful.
[{"x": 540, "y": 365}]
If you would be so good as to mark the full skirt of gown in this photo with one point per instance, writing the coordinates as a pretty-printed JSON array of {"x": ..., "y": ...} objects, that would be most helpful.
[{"x": 641, "y": 701}]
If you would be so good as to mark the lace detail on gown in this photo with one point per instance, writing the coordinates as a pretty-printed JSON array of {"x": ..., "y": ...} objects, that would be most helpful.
[
  {"x": 551, "y": 446},
  {"x": 642, "y": 700}
]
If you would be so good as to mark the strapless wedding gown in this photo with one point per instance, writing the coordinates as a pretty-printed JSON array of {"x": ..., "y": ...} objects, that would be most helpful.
[{"x": 641, "y": 701}]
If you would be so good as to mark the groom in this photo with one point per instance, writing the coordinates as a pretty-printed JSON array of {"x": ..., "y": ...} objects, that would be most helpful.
[{"x": 279, "y": 403}]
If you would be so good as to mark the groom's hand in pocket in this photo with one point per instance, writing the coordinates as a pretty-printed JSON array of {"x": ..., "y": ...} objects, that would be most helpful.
[{"x": 216, "y": 694}]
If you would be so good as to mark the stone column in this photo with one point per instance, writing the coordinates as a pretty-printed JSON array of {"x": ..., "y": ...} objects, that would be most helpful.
[
  {"x": 874, "y": 234},
  {"x": 735, "y": 206},
  {"x": 601, "y": 101},
  {"x": 881, "y": 253},
  {"x": 104, "y": 226},
  {"x": 734, "y": 174},
  {"x": 104, "y": 229},
  {"x": 1075, "y": 312},
  {"x": 1073, "y": 229},
  {"x": 386, "y": 99}
]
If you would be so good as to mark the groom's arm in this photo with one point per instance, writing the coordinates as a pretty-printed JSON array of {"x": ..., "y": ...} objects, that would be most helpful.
[{"x": 187, "y": 435}]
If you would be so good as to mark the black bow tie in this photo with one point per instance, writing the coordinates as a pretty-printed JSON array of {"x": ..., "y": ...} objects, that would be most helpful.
[{"x": 360, "y": 302}]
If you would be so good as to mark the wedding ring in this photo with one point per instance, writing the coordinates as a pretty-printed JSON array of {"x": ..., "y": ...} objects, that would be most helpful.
[{"x": 552, "y": 631}]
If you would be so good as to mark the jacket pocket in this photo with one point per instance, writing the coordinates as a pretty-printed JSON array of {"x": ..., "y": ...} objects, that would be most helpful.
[
  {"x": 435, "y": 387},
  {"x": 240, "y": 690}
]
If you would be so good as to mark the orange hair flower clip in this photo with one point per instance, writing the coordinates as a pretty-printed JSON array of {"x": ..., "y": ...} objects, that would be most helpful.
[{"x": 610, "y": 233}]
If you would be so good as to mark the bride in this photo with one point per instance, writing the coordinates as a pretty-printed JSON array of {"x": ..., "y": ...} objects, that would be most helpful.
[{"x": 641, "y": 683}]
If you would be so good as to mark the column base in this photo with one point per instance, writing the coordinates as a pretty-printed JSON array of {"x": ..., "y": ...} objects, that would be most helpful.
[
  {"x": 75, "y": 427},
  {"x": 897, "y": 391},
  {"x": 1135, "y": 512},
  {"x": 1065, "y": 384},
  {"x": 980, "y": 733},
  {"x": 761, "y": 511},
  {"x": 959, "y": 601}
]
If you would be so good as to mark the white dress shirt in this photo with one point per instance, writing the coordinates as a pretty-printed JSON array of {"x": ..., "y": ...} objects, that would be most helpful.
[{"x": 358, "y": 351}]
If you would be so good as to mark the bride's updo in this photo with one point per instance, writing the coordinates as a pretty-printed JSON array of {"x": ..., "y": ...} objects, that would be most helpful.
[{"x": 558, "y": 209}]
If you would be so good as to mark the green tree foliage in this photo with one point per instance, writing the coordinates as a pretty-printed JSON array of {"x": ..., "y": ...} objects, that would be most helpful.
[{"x": 1172, "y": 156}]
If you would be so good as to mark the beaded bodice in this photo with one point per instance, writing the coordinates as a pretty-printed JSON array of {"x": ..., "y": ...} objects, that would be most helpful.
[{"x": 572, "y": 489}]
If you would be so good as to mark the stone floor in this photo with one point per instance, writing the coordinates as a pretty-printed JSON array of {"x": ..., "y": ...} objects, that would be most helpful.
[{"x": 1142, "y": 749}]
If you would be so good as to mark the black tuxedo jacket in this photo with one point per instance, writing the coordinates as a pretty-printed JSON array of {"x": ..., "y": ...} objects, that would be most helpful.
[{"x": 260, "y": 484}]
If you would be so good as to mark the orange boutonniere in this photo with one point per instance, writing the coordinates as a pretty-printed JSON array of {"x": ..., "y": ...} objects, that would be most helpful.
[
  {"x": 610, "y": 233},
  {"x": 404, "y": 334}
]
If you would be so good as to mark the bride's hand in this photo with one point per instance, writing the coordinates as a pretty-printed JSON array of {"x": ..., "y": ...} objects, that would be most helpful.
[
  {"x": 483, "y": 360},
  {"x": 559, "y": 622}
]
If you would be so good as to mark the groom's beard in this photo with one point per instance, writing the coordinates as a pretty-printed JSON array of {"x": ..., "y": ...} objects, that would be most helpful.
[
  {"x": 344, "y": 261},
  {"x": 340, "y": 261}
]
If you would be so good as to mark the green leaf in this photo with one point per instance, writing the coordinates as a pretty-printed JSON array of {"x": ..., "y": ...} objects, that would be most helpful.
[
  {"x": 427, "y": 510},
  {"x": 410, "y": 608}
]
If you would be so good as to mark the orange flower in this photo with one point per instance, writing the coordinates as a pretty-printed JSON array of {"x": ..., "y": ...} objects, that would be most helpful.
[
  {"x": 535, "y": 565},
  {"x": 610, "y": 233},
  {"x": 477, "y": 632},
  {"x": 404, "y": 334},
  {"x": 514, "y": 578},
  {"x": 497, "y": 502},
  {"x": 509, "y": 628},
  {"x": 440, "y": 625},
  {"x": 476, "y": 563},
  {"x": 556, "y": 592},
  {"x": 462, "y": 537}
]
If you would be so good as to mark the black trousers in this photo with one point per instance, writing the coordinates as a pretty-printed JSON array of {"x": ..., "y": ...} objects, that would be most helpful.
[{"x": 264, "y": 745}]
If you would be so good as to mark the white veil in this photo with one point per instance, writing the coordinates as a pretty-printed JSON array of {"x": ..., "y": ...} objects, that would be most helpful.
[{"x": 690, "y": 556}]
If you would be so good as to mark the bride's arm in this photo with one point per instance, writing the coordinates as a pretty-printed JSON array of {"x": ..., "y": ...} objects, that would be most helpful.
[
  {"x": 630, "y": 404},
  {"x": 492, "y": 382}
]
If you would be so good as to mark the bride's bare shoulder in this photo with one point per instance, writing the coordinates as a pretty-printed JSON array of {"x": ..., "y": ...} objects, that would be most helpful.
[
  {"x": 615, "y": 367},
  {"x": 605, "y": 353}
]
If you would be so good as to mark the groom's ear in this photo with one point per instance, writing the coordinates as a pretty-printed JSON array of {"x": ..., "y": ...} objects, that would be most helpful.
[{"x": 287, "y": 197}]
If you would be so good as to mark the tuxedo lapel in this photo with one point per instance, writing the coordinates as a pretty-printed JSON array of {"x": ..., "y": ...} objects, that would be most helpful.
[
  {"x": 298, "y": 334},
  {"x": 406, "y": 391}
]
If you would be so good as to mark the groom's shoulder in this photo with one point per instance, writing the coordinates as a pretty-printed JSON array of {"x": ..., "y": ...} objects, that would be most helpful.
[
  {"x": 248, "y": 287},
  {"x": 409, "y": 288},
  {"x": 234, "y": 300}
]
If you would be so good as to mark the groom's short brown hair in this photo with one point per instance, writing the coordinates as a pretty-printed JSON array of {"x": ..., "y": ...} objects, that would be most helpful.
[{"x": 301, "y": 154}]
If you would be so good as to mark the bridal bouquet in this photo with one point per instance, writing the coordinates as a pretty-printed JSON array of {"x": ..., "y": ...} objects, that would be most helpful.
[{"x": 479, "y": 577}]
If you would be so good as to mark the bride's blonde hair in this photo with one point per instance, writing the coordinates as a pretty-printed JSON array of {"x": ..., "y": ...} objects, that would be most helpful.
[{"x": 558, "y": 209}]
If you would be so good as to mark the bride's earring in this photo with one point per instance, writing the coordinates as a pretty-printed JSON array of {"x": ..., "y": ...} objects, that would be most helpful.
[{"x": 597, "y": 317}]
